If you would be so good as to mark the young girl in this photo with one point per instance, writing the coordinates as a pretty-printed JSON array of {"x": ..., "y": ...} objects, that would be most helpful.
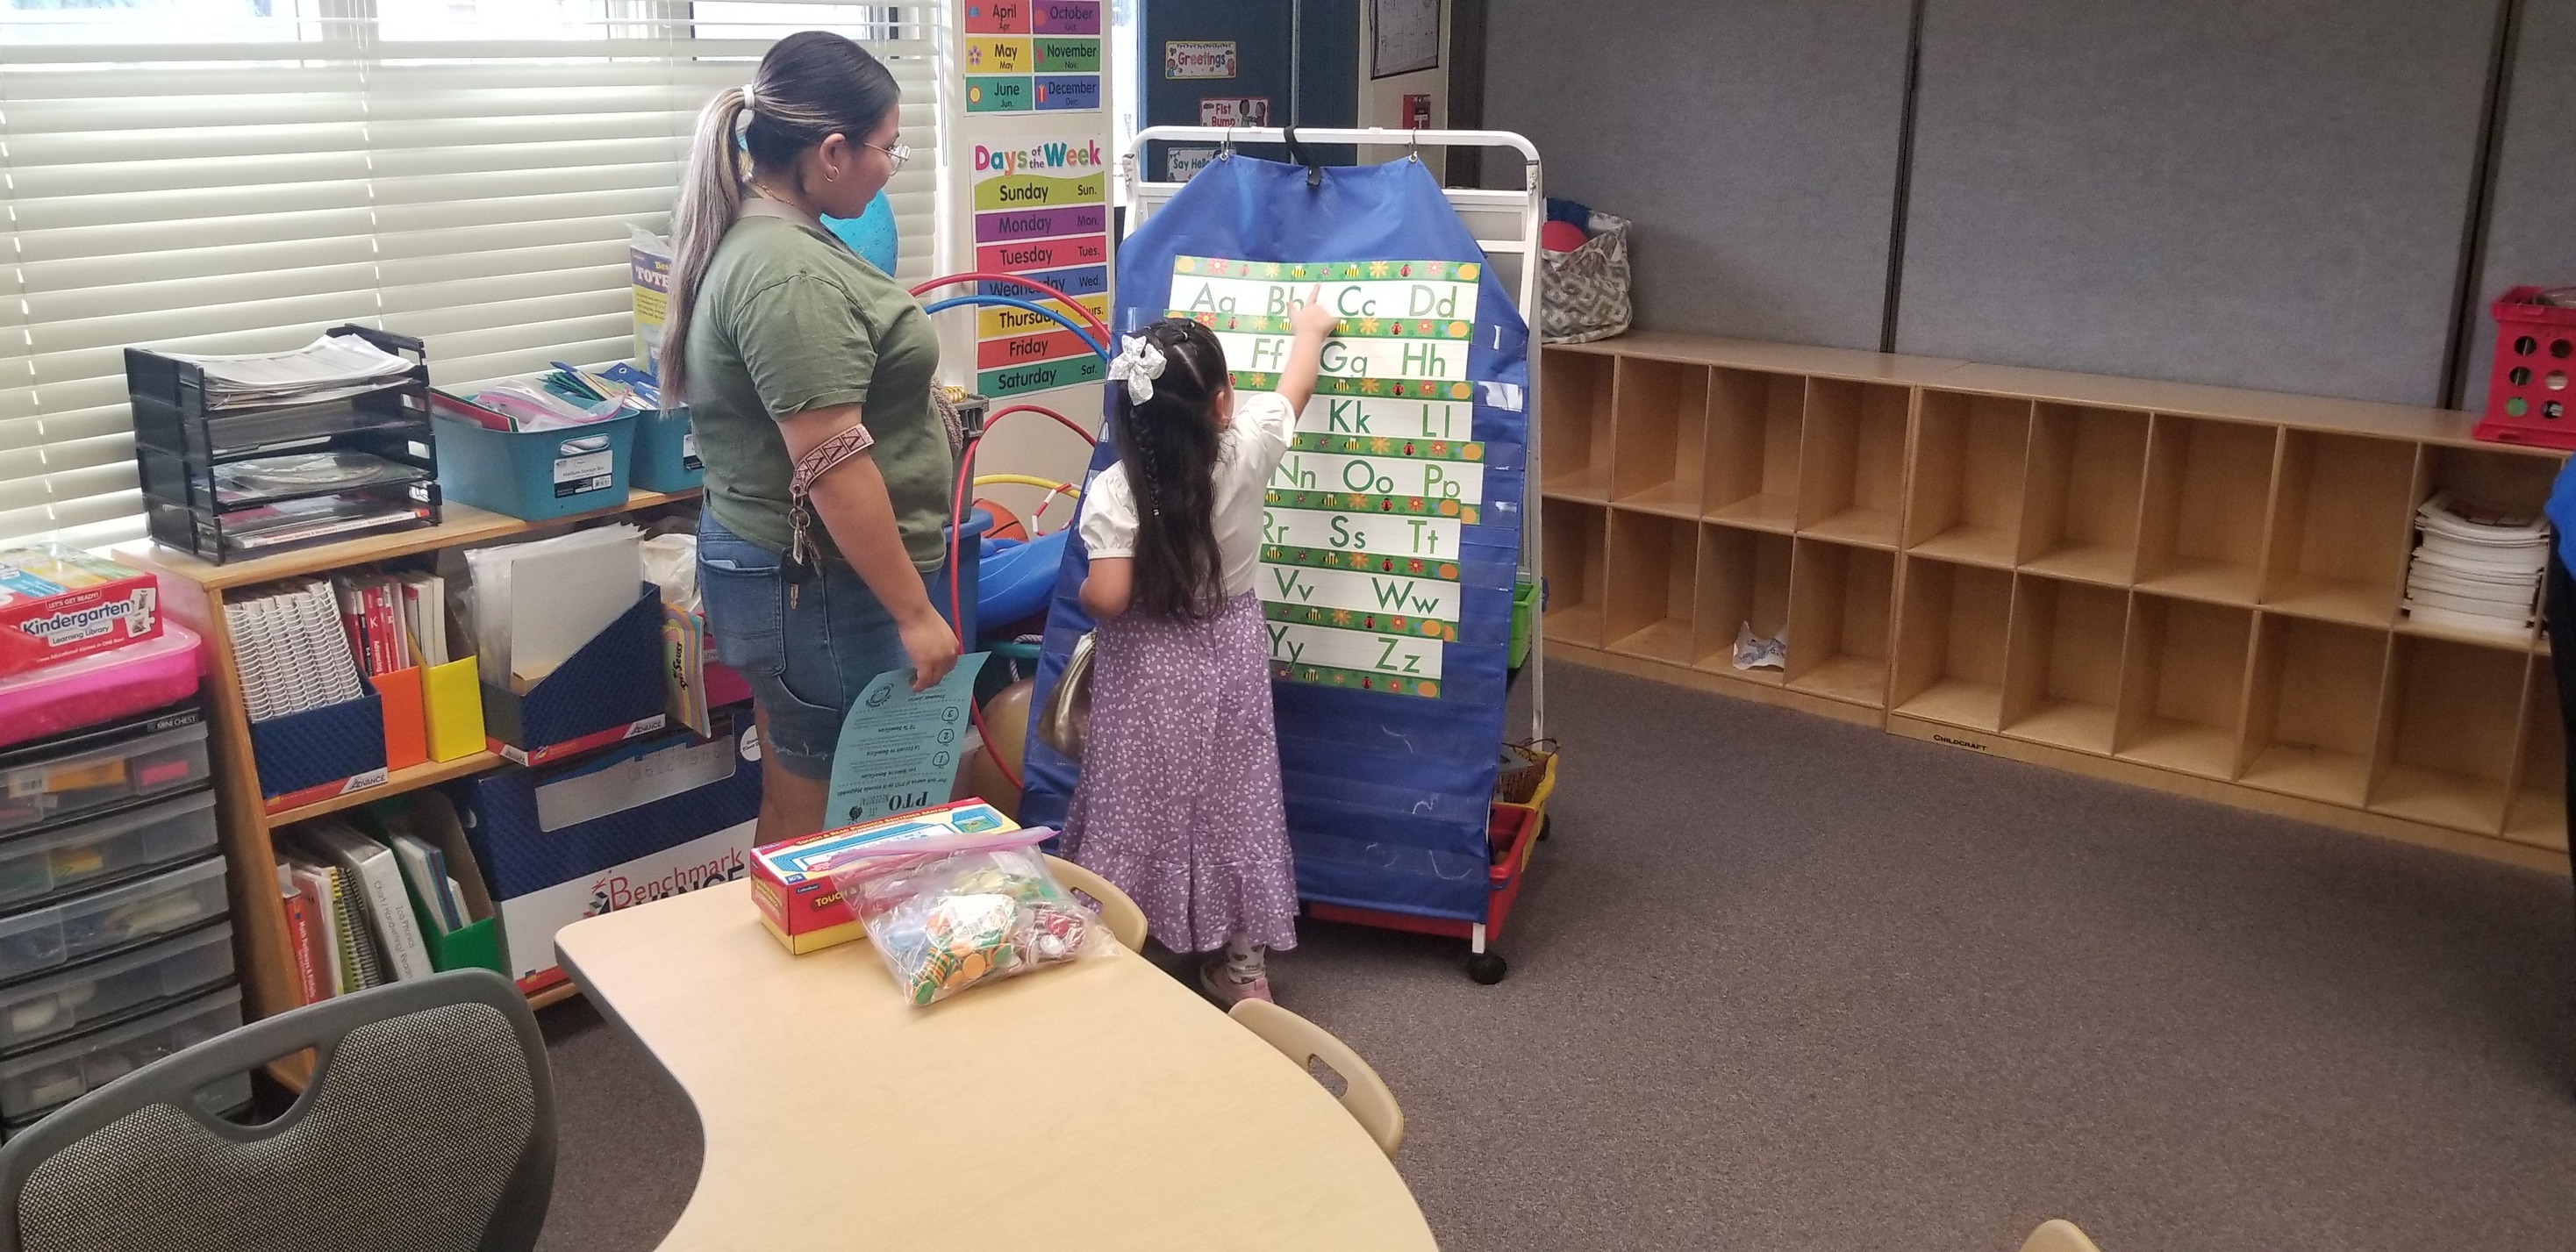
[{"x": 1179, "y": 799}]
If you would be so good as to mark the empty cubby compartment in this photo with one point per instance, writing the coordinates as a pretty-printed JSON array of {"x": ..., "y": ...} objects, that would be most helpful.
[
  {"x": 1841, "y": 600},
  {"x": 1969, "y": 455},
  {"x": 2182, "y": 688},
  {"x": 2339, "y": 527},
  {"x": 1659, "y": 448},
  {"x": 2448, "y": 730},
  {"x": 1575, "y": 424},
  {"x": 1577, "y": 571},
  {"x": 1851, "y": 462},
  {"x": 2080, "y": 501},
  {"x": 1654, "y": 564},
  {"x": 1951, "y": 631},
  {"x": 2062, "y": 679},
  {"x": 2200, "y": 529},
  {"x": 2312, "y": 718},
  {"x": 1753, "y": 427}
]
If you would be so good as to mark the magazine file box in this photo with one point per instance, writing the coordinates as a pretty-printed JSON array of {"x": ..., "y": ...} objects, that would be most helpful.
[
  {"x": 611, "y": 688},
  {"x": 452, "y": 704},
  {"x": 406, "y": 729},
  {"x": 312, "y": 756},
  {"x": 642, "y": 820}
]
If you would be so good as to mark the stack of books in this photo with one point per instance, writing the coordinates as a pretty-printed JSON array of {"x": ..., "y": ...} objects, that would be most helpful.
[
  {"x": 350, "y": 904},
  {"x": 2475, "y": 569}
]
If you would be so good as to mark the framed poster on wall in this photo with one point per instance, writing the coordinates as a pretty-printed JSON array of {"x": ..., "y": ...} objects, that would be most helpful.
[{"x": 1404, "y": 37}]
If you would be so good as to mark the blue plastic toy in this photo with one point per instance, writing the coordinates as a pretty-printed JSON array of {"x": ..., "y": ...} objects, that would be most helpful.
[{"x": 870, "y": 234}]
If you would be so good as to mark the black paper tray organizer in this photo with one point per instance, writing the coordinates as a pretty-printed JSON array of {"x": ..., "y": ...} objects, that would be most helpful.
[{"x": 223, "y": 483}]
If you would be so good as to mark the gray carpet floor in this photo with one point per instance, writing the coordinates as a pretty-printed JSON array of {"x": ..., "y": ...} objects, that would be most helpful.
[{"x": 1779, "y": 982}]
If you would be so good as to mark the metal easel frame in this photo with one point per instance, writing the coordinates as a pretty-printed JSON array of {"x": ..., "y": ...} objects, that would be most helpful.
[{"x": 1506, "y": 225}]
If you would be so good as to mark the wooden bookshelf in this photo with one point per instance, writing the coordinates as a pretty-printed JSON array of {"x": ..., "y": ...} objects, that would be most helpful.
[
  {"x": 265, "y": 963},
  {"x": 2186, "y": 587}
]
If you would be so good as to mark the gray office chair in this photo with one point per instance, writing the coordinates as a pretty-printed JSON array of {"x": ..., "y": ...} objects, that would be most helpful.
[{"x": 428, "y": 1125}]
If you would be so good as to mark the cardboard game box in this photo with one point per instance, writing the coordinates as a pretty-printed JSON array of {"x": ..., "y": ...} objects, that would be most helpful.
[
  {"x": 792, "y": 881},
  {"x": 57, "y": 603}
]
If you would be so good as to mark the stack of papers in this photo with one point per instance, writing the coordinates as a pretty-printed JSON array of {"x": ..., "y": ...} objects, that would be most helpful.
[
  {"x": 327, "y": 368},
  {"x": 2475, "y": 569},
  {"x": 534, "y": 604},
  {"x": 289, "y": 650}
]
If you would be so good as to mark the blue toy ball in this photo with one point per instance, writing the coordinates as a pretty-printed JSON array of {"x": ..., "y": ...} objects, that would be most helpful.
[{"x": 870, "y": 234}]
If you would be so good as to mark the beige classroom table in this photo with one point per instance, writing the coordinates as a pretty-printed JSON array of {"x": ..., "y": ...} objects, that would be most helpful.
[{"x": 1100, "y": 1106}]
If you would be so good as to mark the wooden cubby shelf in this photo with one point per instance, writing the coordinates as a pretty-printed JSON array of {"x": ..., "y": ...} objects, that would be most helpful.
[
  {"x": 1754, "y": 423},
  {"x": 2185, "y": 587},
  {"x": 2062, "y": 673},
  {"x": 2312, "y": 722},
  {"x": 1851, "y": 463},
  {"x": 1576, "y": 425},
  {"x": 2539, "y": 814},
  {"x": 2339, "y": 540},
  {"x": 2080, "y": 499},
  {"x": 2182, "y": 685},
  {"x": 2448, "y": 723},
  {"x": 1743, "y": 585},
  {"x": 1578, "y": 570},
  {"x": 1654, "y": 568},
  {"x": 1950, "y": 644},
  {"x": 2206, "y": 508},
  {"x": 1842, "y": 604},
  {"x": 1659, "y": 449},
  {"x": 1969, "y": 454}
]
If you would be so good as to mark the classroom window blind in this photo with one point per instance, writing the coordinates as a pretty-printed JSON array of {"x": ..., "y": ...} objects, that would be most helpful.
[{"x": 236, "y": 175}]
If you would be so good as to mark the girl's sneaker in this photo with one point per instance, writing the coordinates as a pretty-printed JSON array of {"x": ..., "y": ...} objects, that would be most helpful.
[{"x": 1218, "y": 983}]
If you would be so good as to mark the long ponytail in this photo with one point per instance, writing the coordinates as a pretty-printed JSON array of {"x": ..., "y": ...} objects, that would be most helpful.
[
  {"x": 710, "y": 192},
  {"x": 810, "y": 86},
  {"x": 1169, "y": 446}
]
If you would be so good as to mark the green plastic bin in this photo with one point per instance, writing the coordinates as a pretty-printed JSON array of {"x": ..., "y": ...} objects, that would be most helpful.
[{"x": 1525, "y": 602}]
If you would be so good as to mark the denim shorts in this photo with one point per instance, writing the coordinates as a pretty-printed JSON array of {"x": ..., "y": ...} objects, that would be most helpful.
[{"x": 806, "y": 656}]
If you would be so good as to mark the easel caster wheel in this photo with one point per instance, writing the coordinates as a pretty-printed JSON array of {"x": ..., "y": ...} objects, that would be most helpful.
[
  {"x": 1546, "y": 827},
  {"x": 1486, "y": 968}
]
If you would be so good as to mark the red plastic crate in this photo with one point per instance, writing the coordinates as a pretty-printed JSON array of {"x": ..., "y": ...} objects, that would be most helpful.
[
  {"x": 2532, "y": 384},
  {"x": 1510, "y": 829}
]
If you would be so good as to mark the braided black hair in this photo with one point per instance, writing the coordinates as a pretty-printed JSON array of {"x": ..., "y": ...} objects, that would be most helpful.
[{"x": 1169, "y": 447}]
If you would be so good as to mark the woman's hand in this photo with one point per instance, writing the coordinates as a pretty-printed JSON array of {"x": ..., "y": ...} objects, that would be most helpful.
[{"x": 930, "y": 644}]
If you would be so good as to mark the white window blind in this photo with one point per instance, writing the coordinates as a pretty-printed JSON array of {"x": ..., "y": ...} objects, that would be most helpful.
[{"x": 236, "y": 175}]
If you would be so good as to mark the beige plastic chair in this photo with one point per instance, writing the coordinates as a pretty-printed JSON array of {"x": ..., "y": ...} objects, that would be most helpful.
[
  {"x": 1363, "y": 1092},
  {"x": 2058, "y": 1235},
  {"x": 1117, "y": 912}
]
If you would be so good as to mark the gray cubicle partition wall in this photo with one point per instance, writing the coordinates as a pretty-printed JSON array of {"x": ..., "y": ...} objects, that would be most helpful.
[
  {"x": 1754, "y": 142},
  {"x": 2531, "y": 218},
  {"x": 2260, "y": 193}
]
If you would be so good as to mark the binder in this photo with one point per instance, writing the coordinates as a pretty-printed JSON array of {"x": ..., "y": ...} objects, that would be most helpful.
[{"x": 379, "y": 884}]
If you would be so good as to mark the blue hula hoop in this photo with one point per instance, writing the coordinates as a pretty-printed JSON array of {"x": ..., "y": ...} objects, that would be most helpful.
[{"x": 1013, "y": 302}]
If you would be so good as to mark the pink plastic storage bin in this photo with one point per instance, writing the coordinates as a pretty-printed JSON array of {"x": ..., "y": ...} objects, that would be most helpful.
[{"x": 101, "y": 687}]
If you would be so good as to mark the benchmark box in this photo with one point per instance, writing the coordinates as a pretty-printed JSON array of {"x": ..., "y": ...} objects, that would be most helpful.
[{"x": 646, "y": 819}]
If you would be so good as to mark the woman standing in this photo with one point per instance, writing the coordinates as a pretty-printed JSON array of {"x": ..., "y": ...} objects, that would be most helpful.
[{"x": 808, "y": 375}]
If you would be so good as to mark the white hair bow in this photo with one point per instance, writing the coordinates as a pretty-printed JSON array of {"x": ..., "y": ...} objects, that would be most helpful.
[{"x": 1139, "y": 363}]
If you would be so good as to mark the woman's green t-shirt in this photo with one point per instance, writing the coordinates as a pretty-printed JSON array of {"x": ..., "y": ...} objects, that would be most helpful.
[{"x": 788, "y": 319}]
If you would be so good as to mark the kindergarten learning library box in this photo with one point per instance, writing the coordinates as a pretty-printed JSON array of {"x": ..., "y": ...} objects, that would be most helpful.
[
  {"x": 792, "y": 881},
  {"x": 57, "y": 603}
]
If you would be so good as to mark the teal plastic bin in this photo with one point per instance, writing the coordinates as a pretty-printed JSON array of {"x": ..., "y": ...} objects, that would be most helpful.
[
  {"x": 536, "y": 474},
  {"x": 666, "y": 453}
]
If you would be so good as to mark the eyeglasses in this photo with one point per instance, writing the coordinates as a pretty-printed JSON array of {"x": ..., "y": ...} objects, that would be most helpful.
[{"x": 898, "y": 154}]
